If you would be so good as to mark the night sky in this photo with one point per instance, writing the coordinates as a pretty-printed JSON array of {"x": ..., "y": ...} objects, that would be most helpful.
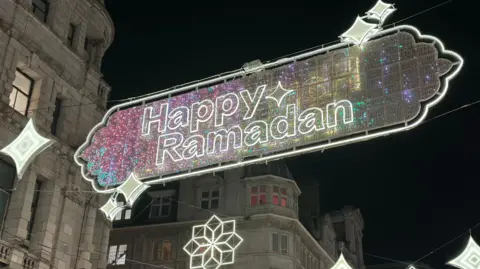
[{"x": 416, "y": 189}]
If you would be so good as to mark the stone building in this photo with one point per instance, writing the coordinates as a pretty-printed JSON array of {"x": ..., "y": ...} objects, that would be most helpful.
[
  {"x": 50, "y": 58},
  {"x": 265, "y": 202}
]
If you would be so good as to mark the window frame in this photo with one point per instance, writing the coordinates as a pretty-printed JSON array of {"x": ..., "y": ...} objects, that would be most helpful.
[
  {"x": 116, "y": 255},
  {"x": 44, "y": 12},
  {"x": 278, "y": 245},
  {"x": 281, "y": 195},
  {"x": 122, "y": 215},
  {"x": 160, "y": 206},
  {"x": 159, "y": 247},
  {"x": 19, "y": 90},
  {"x": 210, "y": 198},
  {"x": 258, "y": 194}
]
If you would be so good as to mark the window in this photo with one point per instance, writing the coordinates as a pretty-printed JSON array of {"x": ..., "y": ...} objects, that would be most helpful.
[
  {"x": 56, "y": 115},
  {"x": 279, "y": 196},
  {"x": 33, "y": 209},
  {"x": 87, "y": 42},
  {"x": 21, "y": 92},
  {"x": 8, "y": 175},
  {"x": 71, "y": 34},
  {"x": 210, "y": 199},
  {"x": 40, "y": 9},
  {"x": 117, "y": 255},
  {"x": 124, "y": 214},
  {"x": 258, "y": 195},
  {"x": 164, "y": 250},
  {"x": 280, "y": 243},
  {"x": 161, "y": 207}
]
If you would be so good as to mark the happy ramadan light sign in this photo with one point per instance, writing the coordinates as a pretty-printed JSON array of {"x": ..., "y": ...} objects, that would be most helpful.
[{"x": 349, "y": 92}]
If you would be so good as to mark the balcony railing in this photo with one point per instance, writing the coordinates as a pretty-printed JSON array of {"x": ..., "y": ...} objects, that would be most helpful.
[
  {"x": 5, "y": 251},
  {"x": 29, "y": 262}
]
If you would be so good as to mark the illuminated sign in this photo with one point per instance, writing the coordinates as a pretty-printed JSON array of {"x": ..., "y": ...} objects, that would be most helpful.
[{"x": 375, "y": 82}]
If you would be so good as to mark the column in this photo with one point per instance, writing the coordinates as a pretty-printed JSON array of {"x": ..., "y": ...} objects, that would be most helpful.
[
  {"x": 99, "y": 52},
  {"x": 18, "y": 214},
  {"x": 86, "y": 245},
  {"x": 46, "y": 219}
]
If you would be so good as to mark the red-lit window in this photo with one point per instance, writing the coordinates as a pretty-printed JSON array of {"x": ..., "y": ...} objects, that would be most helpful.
[
  {"x": 258, "y": 195},
  {"x": 279, "y": 196}
]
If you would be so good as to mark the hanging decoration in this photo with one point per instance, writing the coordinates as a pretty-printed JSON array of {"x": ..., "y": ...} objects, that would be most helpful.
[
  {"x": 469, "y": 258},
  {"x": 26, "y": 147},
  {"x": 213, "y": 244},
  {"x": 341, "y": 263}
]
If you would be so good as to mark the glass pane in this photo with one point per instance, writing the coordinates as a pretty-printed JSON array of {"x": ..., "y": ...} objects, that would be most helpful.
[
  {"x": 39, "y": 14},
  {"x": 253, "y": 200},
  {"x": 253, "y": 189},
  {"x": 122, "y": 254},
  {"x": 166, "y": 200},
  {"x": 40, "y": 4},
  {"x": 3, "y": 206},
  {"x": 263, "y": 199},
  {"x": 13, "y": 97},
  {"x": 204, "y": 204},
  {"x": 128, "y": 213},
  {"x": 7, "y": 175},
  {"x": 205, "y": 194},
  {"x": 167, "y": 251},
  {"x": 284, "y": 201},
  {"x": 154, "y": 211},
  {"x": 275, "y": 189},
  {"x": 215, "y": 193},
  {"x": 284, "y": 244},
  {"x": 275, "y": 200},
  {"x": 214, "y": 204},
  {"x": 112, "y": 252},
  {"x": 165, "y": 210},
  {"x": 22, "y": 82},
  {"x": 275, "y": 242},
  {"x": 283, "y": 191},
  {"x": 21, "y": 103},
  {"x": 158, "y": 247},
  {"x": 263, "y": 188}
]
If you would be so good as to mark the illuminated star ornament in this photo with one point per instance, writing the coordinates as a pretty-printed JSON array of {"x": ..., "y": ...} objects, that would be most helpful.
[
  {"x": 359, "y": 32},
  {"x": 380, "y": 11},
  {"x": 341, "y": 263},
  {"x": 469, "y": 258},
  {"x": 279, "y": 94},
  {"x": 213, "y": 244},
  {"x": 26, "y": 147},
  {"x": 131, "y": 189}
]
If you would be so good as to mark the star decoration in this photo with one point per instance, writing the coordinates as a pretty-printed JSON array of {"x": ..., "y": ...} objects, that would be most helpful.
[
  {"x": 469, "y": 258},
  {"x": 380, "y": 11},
  {"x": 26, "y": 147},
  {"x": 132, "y": 188},
  {"x": 341, "y": 263},
  {"x": 111, "y": 207},
  {"x": 359, "y": 32},
  {"x": 279, "y": 94},
  {"x": 213, "y": 244}
]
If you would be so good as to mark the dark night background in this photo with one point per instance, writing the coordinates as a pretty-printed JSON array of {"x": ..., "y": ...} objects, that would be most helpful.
[{"x": 415, "y": 189}]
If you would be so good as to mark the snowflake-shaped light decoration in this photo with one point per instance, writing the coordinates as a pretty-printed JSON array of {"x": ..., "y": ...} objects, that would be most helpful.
[
  {"x": 359, "y": 32},
  {"x": 26, "y": 147},
  {"x": 213, "y": 244},
  {"x": 341, "y": 263},
  {"x": 380, "y": 11},
  {"x": 279, "y": 93},
  {"x": 111, "y": 208},
  {"x": 469, "y": 258}
]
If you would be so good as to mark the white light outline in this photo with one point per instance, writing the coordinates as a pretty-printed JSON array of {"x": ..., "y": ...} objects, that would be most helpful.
[
  {"x": 280, "y": 88},
  {"x": 167, "y": 151},
  {"x": 222, "y": 114},
  {"x": 215, "y": 134},
  {"x": 381, "y": 17},
  {"x": 37, "y": 145},
  {"x": 341, "y": 263},
  {"x": 173, "y": 116},
  {"x": 365, "y": 37},
  {"x": 254, "y": 129},
  {"x": 286, "y": 134},
  {"x": 251, "y": 100},
  {"x": 110, "y": 209},
  {"x": 187, "y": 145},
  {"x": 131, "y": 195},
  {"x": 308, "y": 117},
  {"x": 407, "y": 126},
  {"x": 212, "y": 243},
  {"x": 337, "y": 106},
  {"x": 160, "y": 128},
  {"x": 198, "y": 120},
  {"x": 461, "y": 261}
]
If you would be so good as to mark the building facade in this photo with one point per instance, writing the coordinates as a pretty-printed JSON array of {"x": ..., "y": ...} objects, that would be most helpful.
[
  {"x": 50, "y": 58},
  {"x": 264, "y": 201}
]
